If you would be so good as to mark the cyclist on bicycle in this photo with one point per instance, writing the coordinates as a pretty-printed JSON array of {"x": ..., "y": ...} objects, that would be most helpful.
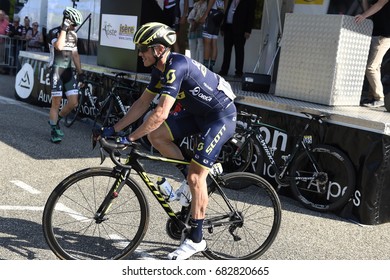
[
  {"x": 63, "y": 49},
  {"x": 209, "y": 109}
]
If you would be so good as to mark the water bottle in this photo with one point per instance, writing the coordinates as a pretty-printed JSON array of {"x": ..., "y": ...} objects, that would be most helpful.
[
  {"x": 184, "y": 194},
  {"x": 166, "y": 189}
]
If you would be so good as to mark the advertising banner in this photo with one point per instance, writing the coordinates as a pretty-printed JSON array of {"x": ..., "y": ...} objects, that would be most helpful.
[
  {"x": 311, "y": 6},
  {"x": 118, "y": 31}
]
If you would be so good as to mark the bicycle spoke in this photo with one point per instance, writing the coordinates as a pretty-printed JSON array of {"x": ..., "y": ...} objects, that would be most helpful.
[
  {"x": 247, "y": 232},
  {"x": 72, "y": 228}
]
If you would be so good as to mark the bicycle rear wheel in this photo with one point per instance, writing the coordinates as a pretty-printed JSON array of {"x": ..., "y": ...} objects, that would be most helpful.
[
  {"x": 69, "y": 223},
  {"x": 72, "y": 116},
  {"x": 240, "y": 162},
  {"x": 249, "y": 230},
  {"x": 334, "y": 183}
]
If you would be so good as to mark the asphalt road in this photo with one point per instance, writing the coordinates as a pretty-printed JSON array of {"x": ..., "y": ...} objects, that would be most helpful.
[{"x": 31, "y": 166}]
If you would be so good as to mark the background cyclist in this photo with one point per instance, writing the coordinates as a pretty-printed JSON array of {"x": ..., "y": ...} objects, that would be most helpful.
[
  {"x": 63, "y": 49},
  {"x": 209, "y": 109}
]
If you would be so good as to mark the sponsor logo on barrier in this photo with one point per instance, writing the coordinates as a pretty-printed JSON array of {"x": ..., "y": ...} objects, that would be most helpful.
[{"x": 24, "y": 81}]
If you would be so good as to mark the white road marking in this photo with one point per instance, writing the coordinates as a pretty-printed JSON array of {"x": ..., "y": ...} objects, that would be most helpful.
[
  {"x": 25, "y": 187},
  {"x": 75, "y": 215},
  {"x": 18, "y": 208},
  {"x": 123, "y": 243},
  {"x": 6, "y": 100}
]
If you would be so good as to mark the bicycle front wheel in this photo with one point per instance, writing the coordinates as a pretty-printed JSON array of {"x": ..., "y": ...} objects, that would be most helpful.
[
  {"x": 71, "y": 228},
  {"x": 324, "y": 182},
  {"x": 248, "y": 229}
]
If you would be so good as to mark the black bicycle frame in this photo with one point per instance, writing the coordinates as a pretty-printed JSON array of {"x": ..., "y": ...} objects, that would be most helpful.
[
  {"x": 132, "y": 162},
  {"x": 281, "y": 172}
]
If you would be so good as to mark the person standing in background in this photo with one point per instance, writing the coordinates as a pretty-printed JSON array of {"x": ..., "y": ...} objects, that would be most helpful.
[
  {"x": 15, "y": 30},
  {"x": 170, "y": 17},
  {"x": 26, "y": 24},
  {"x": 183, "y": 7},
  {"x": 34, "y": 39},
  {"x": 236, "y": 29},
  {"x": 3, "y": 23},
  {"x": 212, "y": 19},
  {"x": 195, "y": 38},
  {"x": 3, "y": 27},
  {"x": 380, "y": 44}
]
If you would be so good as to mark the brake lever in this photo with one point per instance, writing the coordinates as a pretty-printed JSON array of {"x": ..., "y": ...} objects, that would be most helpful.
[
  {"x": 102, "y": 155},
  {"x": 95, "y": 137}
]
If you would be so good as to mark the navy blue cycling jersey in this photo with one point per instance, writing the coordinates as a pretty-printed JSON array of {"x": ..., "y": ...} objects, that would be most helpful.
[{"x": 198, "y": 89}]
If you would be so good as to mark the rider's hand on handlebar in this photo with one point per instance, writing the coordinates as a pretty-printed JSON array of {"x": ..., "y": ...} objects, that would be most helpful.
[
  {"x": 81, "y": 78},
  {"x": 123, "y": 140},
  {"x": 107, "y": 131}
]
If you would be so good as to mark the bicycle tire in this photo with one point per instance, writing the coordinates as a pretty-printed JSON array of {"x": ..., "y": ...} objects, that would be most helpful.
[
  {"x": 240, "y": 163},
  {"x": 340, "y": 178},
  {"x": 72, "y": 116},
  {"x": 68, "y": 219},
  {"x": 257, "y": 201}
]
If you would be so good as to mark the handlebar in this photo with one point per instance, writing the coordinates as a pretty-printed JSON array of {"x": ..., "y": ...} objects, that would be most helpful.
[
  {"x": 113, "y": 149},
  {"x": 316, "y": 117}
]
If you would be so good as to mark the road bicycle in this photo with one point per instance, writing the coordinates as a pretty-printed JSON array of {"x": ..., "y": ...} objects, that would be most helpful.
[
  {"x": 103, "y": 213},
  {"x": 320, "y": 176},
  {"x": 87, "y": 103},
  {"x": 108, "y": 111}
]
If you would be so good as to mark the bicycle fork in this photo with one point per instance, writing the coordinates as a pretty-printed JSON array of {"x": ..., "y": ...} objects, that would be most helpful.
[{"x": 111, "y": 196}]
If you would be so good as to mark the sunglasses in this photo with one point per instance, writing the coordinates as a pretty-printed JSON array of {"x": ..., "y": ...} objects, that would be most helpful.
[{"x": 142, "y": 48}]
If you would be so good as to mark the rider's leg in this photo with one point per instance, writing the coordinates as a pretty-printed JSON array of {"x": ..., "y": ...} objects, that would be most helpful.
[
  {"x": 73, "y": 100},
  {"x": 162, "y": 140}
]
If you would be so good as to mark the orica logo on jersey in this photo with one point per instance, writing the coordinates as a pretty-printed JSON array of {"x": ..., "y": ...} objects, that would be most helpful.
[{"x": 196, "y": 92}]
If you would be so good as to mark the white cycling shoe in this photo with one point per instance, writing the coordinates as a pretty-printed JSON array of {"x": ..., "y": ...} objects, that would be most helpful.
[{"x": 187, "y": 249}]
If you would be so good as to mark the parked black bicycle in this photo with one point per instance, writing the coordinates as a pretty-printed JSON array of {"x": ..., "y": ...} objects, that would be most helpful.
[
  {"x": 118, "y": 93},
  {"x": 103, "y": 213},
  {"x": 321, "y": 176}
]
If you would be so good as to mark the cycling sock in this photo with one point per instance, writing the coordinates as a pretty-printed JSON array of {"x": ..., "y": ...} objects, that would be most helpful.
[
  {"x": 52, "y": 123},
  {"x": 206, "y": 63},
  {"x": 196, "y": 233},
  {"x": 183, "y": 169},
  {"x": 212, "y": 63}
]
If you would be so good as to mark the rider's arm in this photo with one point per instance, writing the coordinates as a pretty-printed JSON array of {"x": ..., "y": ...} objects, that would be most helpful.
[
  {"x": 209, "y": 7},
  {"x": 137, "y": 109},
  {"x": 76, "y": 61},
  {"x": 60, "y": 42},
  {"x": 370, "y": 10},
  {"x": 155, "y": 119}
]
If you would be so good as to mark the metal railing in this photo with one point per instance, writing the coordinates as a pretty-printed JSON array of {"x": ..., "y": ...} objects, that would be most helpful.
[{"x": 9, "y": 51}]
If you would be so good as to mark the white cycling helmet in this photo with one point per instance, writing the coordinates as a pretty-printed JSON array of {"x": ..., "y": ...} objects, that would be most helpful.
[{"x": 73, "y": 15}]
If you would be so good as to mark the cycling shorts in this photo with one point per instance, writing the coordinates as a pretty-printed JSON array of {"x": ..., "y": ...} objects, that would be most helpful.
[
  {"x": 63, "y": 81},
  {"x": 215, "y": 129},
  {"x": 211, "y": 29}
]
